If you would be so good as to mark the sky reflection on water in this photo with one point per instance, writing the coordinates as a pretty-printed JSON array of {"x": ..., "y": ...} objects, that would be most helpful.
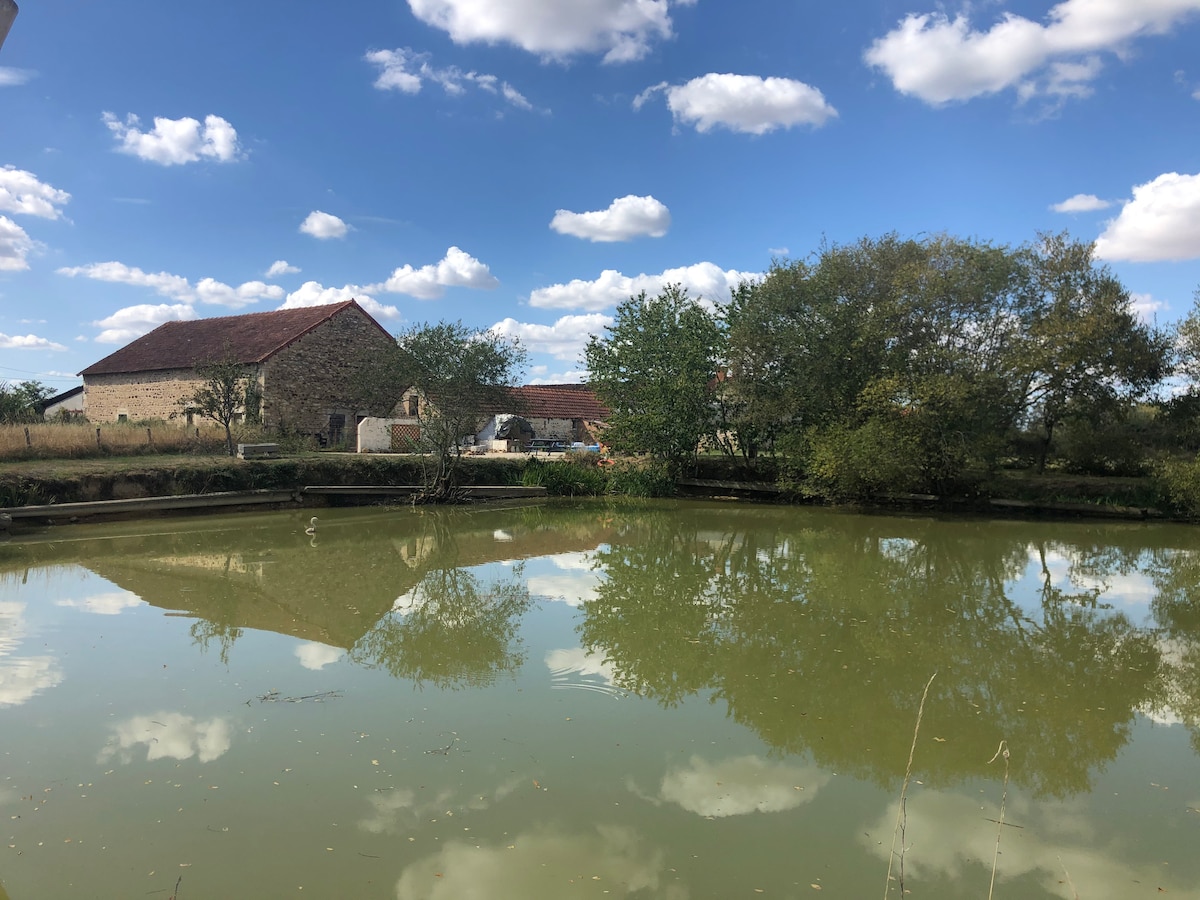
[{"x": 671, "y": 700}]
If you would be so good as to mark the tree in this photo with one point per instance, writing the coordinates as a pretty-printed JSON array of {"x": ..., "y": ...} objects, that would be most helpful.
[
  {"x": 221, "y": 395},
  {"x": 21, "y": 403},
  {"x": 461, "y": 375},
  {"x": 654, "y": 368},
  {"x": 879, "y": 365},
  {"x": 1084, "y": 350}
]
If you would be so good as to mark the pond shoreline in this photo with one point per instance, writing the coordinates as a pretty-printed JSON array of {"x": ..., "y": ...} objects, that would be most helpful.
[{"x": 344, "y": 478}]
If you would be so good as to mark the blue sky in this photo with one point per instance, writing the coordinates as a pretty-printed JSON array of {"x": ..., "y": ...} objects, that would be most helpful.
[{"x": 528, "y": 164}]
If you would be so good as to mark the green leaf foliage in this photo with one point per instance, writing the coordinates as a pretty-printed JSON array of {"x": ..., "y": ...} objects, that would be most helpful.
[{"x": 654, "y": 369}]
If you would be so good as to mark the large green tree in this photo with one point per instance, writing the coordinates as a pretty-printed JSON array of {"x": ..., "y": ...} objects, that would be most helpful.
[
  {"x": 654, "y": 369},
  {"x": 461, "y": 375},
  {"x": 880, "y": 365},
  {"x": 1084, "y": 350}
]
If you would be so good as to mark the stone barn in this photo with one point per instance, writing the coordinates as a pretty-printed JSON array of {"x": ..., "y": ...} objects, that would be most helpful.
[{"x": 305, "y": 362}]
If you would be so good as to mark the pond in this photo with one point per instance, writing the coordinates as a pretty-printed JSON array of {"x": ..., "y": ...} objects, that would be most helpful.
[{"x": 669, "y": 700}]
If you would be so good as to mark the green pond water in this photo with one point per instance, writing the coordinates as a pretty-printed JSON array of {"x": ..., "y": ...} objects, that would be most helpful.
[{"x": 675, "y": 700}]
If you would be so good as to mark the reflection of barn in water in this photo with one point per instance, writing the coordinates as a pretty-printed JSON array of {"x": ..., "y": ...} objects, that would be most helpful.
[{"x": 262, "y": 573}]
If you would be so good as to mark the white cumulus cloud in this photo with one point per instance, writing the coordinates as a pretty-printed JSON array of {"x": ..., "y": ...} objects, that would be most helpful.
[
  {"x": 626, "y": 218},
  {"x": 323, "y": 226},
  {"x": 281, "y": 267},
  {"x": 313, "y": 293},
  {"x": 406, "y": 70},
  {"x": 27, "y": 342},
  {"x": 15, "y": 246},
  {"x": 164, "y": 283},
  {"x": 565, "y": 339},
  {"x": 704, "y": 281},
  {"x": 743, "y": 103},
  {"x": 133, "y": 321},
  {"x": 456, "y": 269},
  {"x": 1161, "y": 222},
  {"x": 12, "y": 77},
  {"x": 1081, "y": 203},
  {"x": 22, "y": 194},
  {"x": 939, "y": 59},
  {"x": 620, "y": 29},
  {"x": 176, "y": 287},
  {"x": 209, "y": 290},
  {"x": 173, "y": 142}
]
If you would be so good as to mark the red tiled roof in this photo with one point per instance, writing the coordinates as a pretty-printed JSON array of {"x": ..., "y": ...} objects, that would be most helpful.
[
  {"x": 560, "y": 401},
  {"x": 250, "y": 338}
]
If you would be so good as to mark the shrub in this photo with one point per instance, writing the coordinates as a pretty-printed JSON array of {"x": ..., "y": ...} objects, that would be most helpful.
[
  {"x": 640, "y": 478},
  {"x": 1178, "y": 481},
  {"x": 860, "y": 463}
]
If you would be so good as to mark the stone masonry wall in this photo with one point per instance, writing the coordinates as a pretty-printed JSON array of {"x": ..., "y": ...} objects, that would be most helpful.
[
  {"x": 316, "y": 377},
  {"x": 139, "y": 395}
]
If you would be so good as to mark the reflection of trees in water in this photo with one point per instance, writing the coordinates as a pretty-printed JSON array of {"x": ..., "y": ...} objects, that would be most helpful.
[
  {"x": 1176, "y": 608},
  {"x": 452, "y": 630},
  {"x": 821, "y": 638}
]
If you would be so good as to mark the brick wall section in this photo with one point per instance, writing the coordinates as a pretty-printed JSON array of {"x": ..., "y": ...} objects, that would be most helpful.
[
  {"x": 316, "y": 376},
  {"x": 303, "y": 384}
]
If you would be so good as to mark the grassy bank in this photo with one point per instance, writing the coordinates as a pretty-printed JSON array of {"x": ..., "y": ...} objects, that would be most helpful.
[{"x": 113, "y": 477}]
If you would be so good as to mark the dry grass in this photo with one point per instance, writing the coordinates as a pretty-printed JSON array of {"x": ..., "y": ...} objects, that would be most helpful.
[{"x": 80, "y": 441}]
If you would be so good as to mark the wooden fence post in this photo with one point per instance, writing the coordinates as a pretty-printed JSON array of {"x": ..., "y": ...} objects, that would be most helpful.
[
  {"x": 97, "y": 435},
  {"x": 28, "y": 442}
]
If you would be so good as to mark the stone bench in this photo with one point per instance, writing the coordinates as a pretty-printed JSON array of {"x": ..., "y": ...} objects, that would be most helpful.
[{"x": 257, "y": 451}]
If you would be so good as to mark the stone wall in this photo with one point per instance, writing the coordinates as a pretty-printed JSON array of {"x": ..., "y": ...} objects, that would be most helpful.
[
  {"x": 139, "y": 395},
  {"x": 304, "y": 385},
  {"x": 315, "y": 378}
]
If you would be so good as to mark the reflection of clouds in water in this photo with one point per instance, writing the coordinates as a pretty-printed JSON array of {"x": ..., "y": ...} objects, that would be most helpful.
[
  {"x": 403, "y": 810},
  {"x": 574, "y": 583},
  {"x": 738, "y": 786},
  {"x": 543, "y": 864},
  {"x": 1131, "y": 589},
  {"x": 108, "y": 604},
  {"x": 957, "y": 841},
  {"x": 407, "y": 603},
  {"x": 1174, "y": 657},
  {"x": 575, "y": 661},
  {"x": 12, "y": 625},
  {"x": 24, "y": 677},
  {"x": 317, "y": 656},
  {"x": 169, "y": 736}
]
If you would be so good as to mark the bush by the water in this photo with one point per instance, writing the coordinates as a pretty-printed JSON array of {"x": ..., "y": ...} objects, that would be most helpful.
[{"x": 582, "y": 475}]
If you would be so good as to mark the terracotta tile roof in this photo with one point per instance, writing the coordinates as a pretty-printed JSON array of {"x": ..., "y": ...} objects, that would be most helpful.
[
  {"x": 250, "y": 338},
  {"x": 560, "y": 401}
]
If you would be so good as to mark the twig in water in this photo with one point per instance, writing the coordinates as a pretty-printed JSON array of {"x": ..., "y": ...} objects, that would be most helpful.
[
  {"x": 445, "y": 751},
  {"x": 1002, "y": 750},
  {"x": 273, "y": 697},
  {"x": 902, "y": 812},
  {"x": 175, "y": 893},
  {"x": 1070, "y": 884}
]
